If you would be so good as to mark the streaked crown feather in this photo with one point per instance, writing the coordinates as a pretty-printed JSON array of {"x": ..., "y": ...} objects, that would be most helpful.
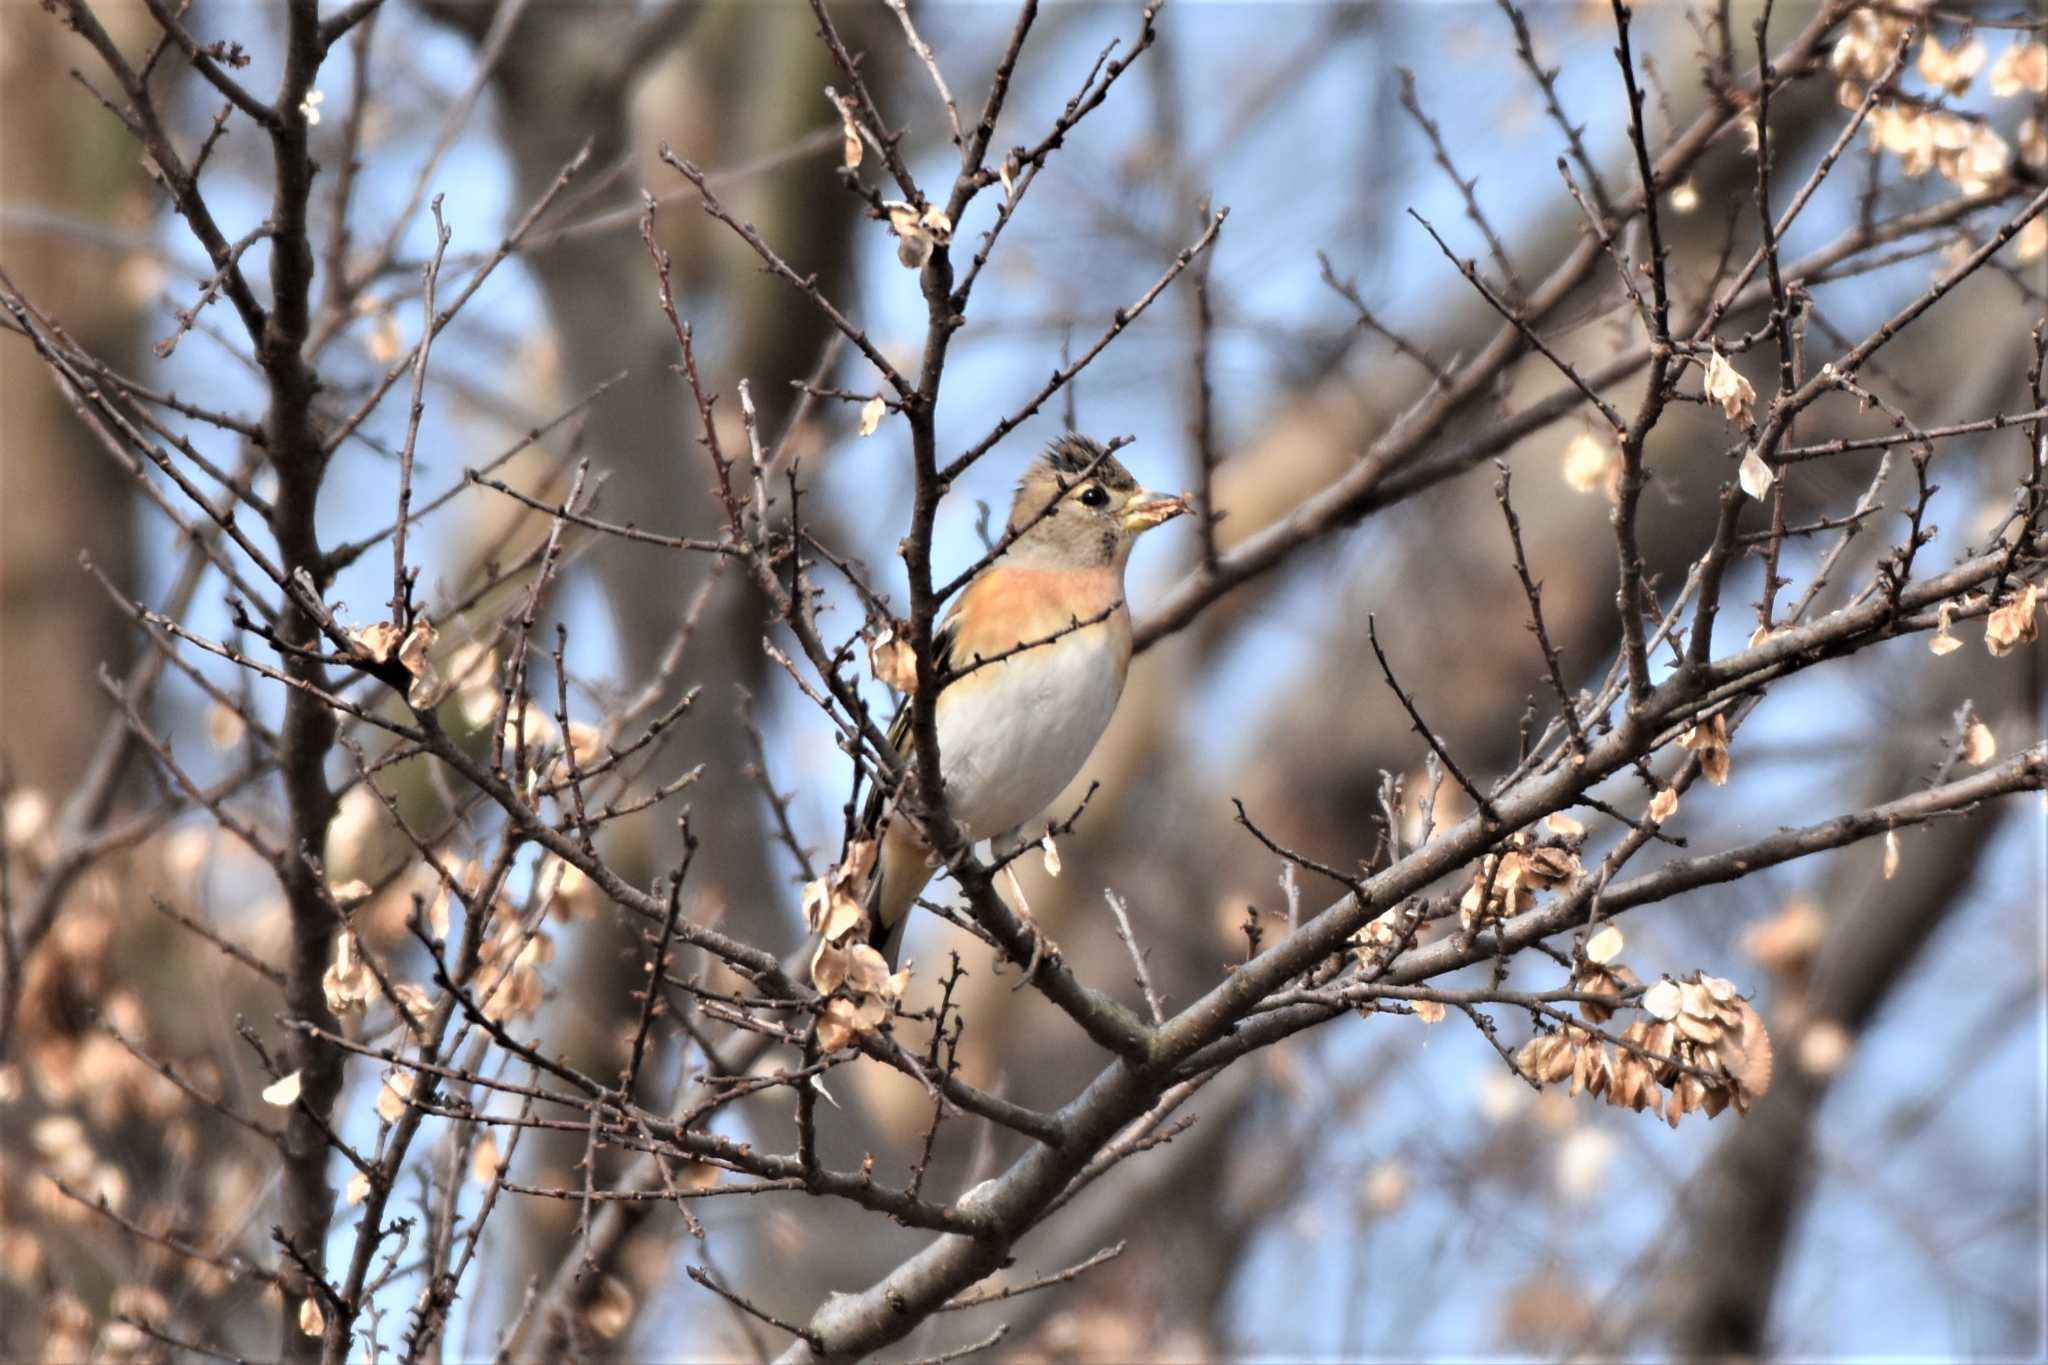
[{"x": 1073, "y": 456}]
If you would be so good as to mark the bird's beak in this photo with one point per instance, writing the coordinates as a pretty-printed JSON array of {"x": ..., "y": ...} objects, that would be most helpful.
[{"x": 1148, "y": 510}]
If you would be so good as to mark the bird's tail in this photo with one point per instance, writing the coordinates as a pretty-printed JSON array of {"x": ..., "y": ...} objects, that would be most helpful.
[
  {"x": 889, "y": 940},
  {"x": 900, "y": 874}
]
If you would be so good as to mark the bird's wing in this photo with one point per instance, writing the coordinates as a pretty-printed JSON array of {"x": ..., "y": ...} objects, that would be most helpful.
[
  {"x": 889, "y": 894},
  {"x": 899, "y": 729}
]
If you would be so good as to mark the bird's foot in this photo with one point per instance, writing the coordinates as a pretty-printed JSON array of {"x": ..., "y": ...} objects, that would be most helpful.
[{"x": 1042, "y": 945}]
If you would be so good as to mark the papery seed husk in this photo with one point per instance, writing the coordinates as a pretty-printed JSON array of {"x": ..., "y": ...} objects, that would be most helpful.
[{"x": 1698, "y": 1029}]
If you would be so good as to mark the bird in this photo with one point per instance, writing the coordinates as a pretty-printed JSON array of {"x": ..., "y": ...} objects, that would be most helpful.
[{"x": 1031, "y": 656}]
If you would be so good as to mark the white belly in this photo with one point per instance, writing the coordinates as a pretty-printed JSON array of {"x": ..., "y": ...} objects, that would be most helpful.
[{"x": 1010, "y": 741}]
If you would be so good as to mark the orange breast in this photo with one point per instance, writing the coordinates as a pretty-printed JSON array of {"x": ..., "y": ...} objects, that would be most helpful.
[{"x": 1006, "y": 607}]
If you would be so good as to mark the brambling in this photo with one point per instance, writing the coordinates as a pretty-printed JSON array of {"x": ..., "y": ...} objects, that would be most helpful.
[{"x": 1014, "y": 732}]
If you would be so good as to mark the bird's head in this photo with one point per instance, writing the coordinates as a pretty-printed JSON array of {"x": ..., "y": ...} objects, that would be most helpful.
[{"x": 1097, "y": 510}]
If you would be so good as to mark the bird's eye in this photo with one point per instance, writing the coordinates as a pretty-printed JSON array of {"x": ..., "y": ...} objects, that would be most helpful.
[{"x": 1093, "y": 496}]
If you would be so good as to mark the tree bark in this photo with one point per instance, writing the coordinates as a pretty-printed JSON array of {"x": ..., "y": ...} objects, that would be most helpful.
[{"x": 65, "y": 165}]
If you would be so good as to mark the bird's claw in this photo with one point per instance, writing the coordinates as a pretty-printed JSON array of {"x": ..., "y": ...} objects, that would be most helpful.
[{"x": 1042, "y": 945}]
